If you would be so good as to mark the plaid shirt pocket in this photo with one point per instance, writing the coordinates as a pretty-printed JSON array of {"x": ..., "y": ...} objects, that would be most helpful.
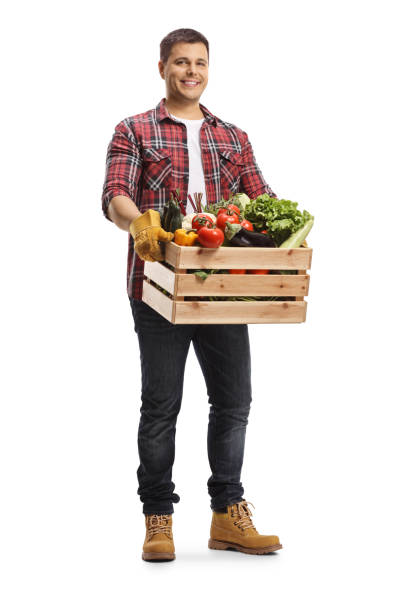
[
  {"x": 231, "y": 165},
  {"x": 156, "y": 168}
]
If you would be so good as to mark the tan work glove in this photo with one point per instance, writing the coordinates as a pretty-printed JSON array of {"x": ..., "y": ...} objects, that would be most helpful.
[{"x": 147, "y": 231}]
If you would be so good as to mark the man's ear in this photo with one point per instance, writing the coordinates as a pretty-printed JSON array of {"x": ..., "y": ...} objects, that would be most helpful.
[{"x": 161, "y": 69}]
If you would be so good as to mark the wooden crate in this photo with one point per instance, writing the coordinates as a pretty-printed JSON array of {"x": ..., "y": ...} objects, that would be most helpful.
[{"x": 174, "y": 278}]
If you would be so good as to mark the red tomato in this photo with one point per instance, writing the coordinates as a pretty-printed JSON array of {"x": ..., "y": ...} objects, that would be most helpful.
[
  {"x": 232, "y": 208},
  {"x": 247, "y": 225},
  {"x": 264, "y": 232},
  {"x": 225, "y": 216},
  {"x": 237, "y": 271},
  {"x": 201, "y": 220},
  {"x": 259, "y": 271},
  {"x": 210, "y": 237}
]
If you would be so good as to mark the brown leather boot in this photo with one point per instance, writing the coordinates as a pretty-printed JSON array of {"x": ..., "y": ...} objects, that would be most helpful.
[
  {"x": 158, "y": 542},
  {"x": 234, "y": 529}
]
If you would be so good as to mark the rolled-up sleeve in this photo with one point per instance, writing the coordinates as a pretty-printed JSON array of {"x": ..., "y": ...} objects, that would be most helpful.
[
  {"x": 123, "y": 166},
  {"x": 252, "y": 180}
]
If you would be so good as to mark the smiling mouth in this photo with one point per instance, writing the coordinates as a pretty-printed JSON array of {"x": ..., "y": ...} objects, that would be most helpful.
[{"x": 188, "y": 83}]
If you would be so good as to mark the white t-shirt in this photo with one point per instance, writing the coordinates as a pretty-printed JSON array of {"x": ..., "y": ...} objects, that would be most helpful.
[{"x": 196, "y": 183}]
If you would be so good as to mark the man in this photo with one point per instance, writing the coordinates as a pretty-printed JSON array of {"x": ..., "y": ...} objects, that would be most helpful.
[{"x": 181, "y": 144}]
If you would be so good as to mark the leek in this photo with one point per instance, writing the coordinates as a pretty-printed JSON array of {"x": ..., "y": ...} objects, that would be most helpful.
[{"x": 295, "y": 240}]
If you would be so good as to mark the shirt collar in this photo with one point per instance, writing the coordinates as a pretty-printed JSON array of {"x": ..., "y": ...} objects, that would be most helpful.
[{"x": 163, "y": 113}]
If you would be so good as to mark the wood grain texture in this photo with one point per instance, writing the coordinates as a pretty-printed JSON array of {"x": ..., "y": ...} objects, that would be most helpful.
[
  {"x": 240, "y": 312},
  {"x": 238, "y": 257},
  {"x": 158, "y": 301},
  {"x": 161, "y": 275},
  {"x": 243, "y": 284}
]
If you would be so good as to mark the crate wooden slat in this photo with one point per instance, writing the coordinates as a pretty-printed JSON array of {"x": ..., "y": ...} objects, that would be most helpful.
[
  {"x": 181, "y": 285},
  {"x": 227, "y": 284},
  {"x": 158, "y": 301},
  {"x": 238, "y": 257},
  {"x": 223, "y": 312}
]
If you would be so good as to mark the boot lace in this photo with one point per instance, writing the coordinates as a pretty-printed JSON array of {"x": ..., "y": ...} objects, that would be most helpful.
[
  {"x": 158, "y": 523},
  {"x": 244, "y": 521}
]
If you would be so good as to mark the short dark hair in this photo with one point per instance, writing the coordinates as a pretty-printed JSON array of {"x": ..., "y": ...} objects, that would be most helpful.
[{"x": 185, "y": 35}]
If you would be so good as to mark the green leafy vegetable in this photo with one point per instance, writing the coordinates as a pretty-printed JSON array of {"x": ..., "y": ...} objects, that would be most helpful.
[
  {"x": 280, "y": 218},
  {"x": 203, "y": 274},
  {"x": 231, "y": 229}
]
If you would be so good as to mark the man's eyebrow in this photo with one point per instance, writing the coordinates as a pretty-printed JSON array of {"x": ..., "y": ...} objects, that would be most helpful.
[{"x": 186, "y": 58}]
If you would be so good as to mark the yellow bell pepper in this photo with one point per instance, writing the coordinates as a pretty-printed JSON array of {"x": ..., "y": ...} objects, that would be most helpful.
[{"x": 185, "y": 237}]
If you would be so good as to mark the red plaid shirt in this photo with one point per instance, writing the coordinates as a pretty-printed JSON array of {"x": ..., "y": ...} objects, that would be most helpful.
[{"x": 148, "y": 156}]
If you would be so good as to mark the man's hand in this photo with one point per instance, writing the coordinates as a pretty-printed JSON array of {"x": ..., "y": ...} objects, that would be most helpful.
[{"x": 146, "y": 232}]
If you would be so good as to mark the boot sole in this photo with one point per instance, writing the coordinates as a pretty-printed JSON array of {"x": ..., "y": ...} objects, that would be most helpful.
[
  {"x": 220, "y": 545},
  {"x": 158, "y": 556}
]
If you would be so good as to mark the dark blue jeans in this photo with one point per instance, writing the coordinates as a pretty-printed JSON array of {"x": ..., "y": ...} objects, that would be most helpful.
[{"x": 223, "y": 353}]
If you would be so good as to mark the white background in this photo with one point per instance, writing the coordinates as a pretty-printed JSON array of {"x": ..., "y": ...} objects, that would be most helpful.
[{"x": 320, "y": 87}]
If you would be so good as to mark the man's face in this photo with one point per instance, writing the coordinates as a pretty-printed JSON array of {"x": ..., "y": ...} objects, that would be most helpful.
[{"x": 186, "y": 71}]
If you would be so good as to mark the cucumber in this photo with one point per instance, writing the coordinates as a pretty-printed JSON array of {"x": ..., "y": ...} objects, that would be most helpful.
[{"x": 176, "y": 221}]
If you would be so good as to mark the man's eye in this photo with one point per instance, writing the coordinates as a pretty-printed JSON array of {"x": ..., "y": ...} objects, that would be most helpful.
[{"x": 183, "y": 61}]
